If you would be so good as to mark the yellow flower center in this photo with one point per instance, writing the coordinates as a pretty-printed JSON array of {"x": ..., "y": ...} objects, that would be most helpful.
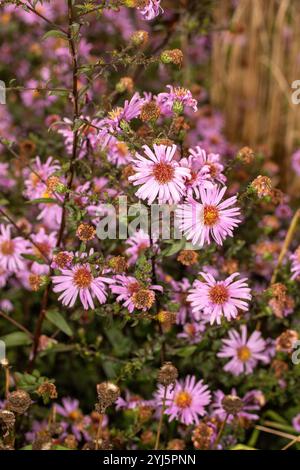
[
  {"x": 218, "y": 294},
  {"x": 163, "y": 172},
  {"x": 210, "y": 215},
  {"x": 82, "y": 278},
  {"x": 7, "y": 247},
  {"x": 183, "y": 399},
  {"x": 244, "y": 353}
]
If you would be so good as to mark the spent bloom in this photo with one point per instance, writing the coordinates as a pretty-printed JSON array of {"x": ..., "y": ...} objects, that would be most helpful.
[
  {"x": 244, "y": 352},
  {"x": 159, "y": 175},
  {"x": 79, "y": 280},
  {"x": 177, "y": 100},
  {"x": 149, "y": 9},
  {"x": 217, "y": 299},
  {"x": 186, "y": 401},
  {"x": 211, "y": 218},
  {"x": 133, "y": 294},
  {"x": 251, "y": 402},
  {"x": 11, "y": 250}
]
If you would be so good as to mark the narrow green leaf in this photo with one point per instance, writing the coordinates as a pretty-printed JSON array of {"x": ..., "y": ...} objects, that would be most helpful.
[
  {"x": 58, "y": 320},
  {"x": 55, "y": 33},
  {"x": 17, "y": 338}
]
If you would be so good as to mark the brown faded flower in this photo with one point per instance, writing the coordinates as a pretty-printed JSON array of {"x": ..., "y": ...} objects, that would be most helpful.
[
  {"x": 262, "y": 186},
  {"x": 85, "y": 232},
  {"x": 167, "y": 374},
  {"x": 188, "y": 257},
  {"x": 285, "y": 342},
  {"x": 150, "y": 112}
]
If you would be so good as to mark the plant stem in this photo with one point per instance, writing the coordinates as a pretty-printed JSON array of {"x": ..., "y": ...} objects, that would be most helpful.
[
  {"x": 15, "y": 323},
  {"x": 161, "y": 419},
  {"x": 221, "y": 430},
  {"x": 286, "y": 244},
  {"x": 99, "y": 431}
]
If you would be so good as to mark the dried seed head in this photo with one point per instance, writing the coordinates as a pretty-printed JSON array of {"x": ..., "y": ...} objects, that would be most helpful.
[
  {"x": 63, "y": 259},
  {"x": 230, "y": 266},
  {"x": 232, "y": 404},
  {"x": 27, "y": 148},
  {"x": 8, "y": 418},
  {"x": 139, "y": 38},
  {"x": 35, "y": 282},
  {"x": 167, "y": 374},
  {"x": 202, "y": 436},
  {"x": 150, "y": 112},
  {"x": 145, "y": 413},
  {"x": 262, "y": 185},
  {"x": 285, "y": 342},
  {"x": 85, "y": 232},
  {"x": 174, "y": 56},
  {"x": 55, "y": 185},
  {"x": 176, "y": 444},
  {"x": 118, "y": 264},
  {"x": 246, "y": 155},
  {"x": 107, "y": 395},
  {"x": 70, "y": 442},
  {"x": 42, "y": 442},
  {"x": 188, "y": 257},
  {"x": 47, "y": 390},
  {"x": 18, "y": 401},
  {"x": 280, "y": 368},
  {"x": 143, "y": 299},
  {"x": 125, "y": 84},
  {"x": 166, "y": 318}
]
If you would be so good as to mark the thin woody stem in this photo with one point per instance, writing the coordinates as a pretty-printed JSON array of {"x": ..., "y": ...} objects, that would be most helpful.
[
  {"x": 161, "y": 419},
  {"x": 220, "y": 433},
  {"x": 99, "y": 432},
  {"x": 286, "y": 244}
]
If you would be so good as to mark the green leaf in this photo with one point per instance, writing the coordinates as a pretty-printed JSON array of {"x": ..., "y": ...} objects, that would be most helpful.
[
  {"x": 242, "y": 447},
  {"x": 33, "y": 258},
  {"x": 17, "y": 338},
  {"x": 44, "y": 200},
  {"x": 58, "y": 320},
  {"x": 55, "y": 33},
  {"x": 174, "y": 248}
]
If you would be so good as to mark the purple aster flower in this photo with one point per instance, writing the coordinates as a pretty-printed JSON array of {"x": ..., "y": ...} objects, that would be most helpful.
[
  {"x": 129, "y": 111},
  {"x": 133, "y": 294},
  {"x": 186, "y": 401},
  {"x": 176, "y": 100},
  {"x": 211, "y": 161},
  {"x": 210, "y": 218},
  {"x": 218, "y": 299},
  {"x": 35, "y": 180},
  {"x": 295, "y": 259},
  {"x": 138, "y": 243},
  {"x": 251, "y": 402},
  {"x": 79, "y": 280},
  {"x": 296, "y": 422},
  {"x": 150, "y": 9},
  {"x": 192, "y": 332},
  {"x": 296, "y": 162},
  {"x": 159, "y": 175},
  {"x": 244, "y": 352},
  {"x": 11, "y": 250}
]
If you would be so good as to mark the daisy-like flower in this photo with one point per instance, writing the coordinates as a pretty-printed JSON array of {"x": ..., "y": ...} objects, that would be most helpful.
[
  {"x": 295, "y": 268},
  {"x": 208, "y": 219},
  {"x": 186, "y": 401},
  {"x": 159, "y": 175},
  {"x": 35, "y": 180},
  {"x": 11, "y": 250},
  {"x": 219, "y": 298},
  {"x": 138, "y": 243},
  {"x": 244, "y": 352},
  {"x": 177, "y": 100},
  {"x": 129, "y": 111},
  {"x": 252, "y": 401},
  {"x": 43, "y": 248},
  {"x": 149, "y": 9},
  {"x": 192, "y": 332},
  {"x": 210, "y": 161},
  {"x": 133, "y": 294},
  {"x": 79, "y": 280},
  {"x": 200, "y": 176},
  {"x": 296, "y": 422}
]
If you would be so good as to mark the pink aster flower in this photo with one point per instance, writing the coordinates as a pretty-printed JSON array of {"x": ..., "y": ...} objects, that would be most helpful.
[
  {"x": 44, "y": 244},
  {"x": 208, "y": 219},
  {"x": 35, "y": 180},
  {"x": 133, "y": 294},
  {"x": 79, "y": 280},
  {"x": 200, "y": 176},
  {"x": 211, "y": 161},
  {"x": 219, "y": 298},
  {"x": 192, "y": 332},
  {"x": 186, "y": 401},
  {"x": 129, "y": 111},
  {"x": 295, "y": 268},
  {"x": 11, "y": 250},
  {"x": 159, "y": 175},
  {"x": 151, "y": 9},
  {"x": 138, "y": 243},
  {"x": 244, "y": 353},
  {"x": 176, "y": 100}
]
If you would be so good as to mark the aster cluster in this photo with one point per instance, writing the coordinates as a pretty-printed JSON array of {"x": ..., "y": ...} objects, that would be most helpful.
[{"x": 192, "y": 335}]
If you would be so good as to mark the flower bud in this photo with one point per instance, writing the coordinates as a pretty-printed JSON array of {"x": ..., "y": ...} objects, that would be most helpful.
[
  {"x": 174, "y": 56},
  {"x": 139, "y": 38}
]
